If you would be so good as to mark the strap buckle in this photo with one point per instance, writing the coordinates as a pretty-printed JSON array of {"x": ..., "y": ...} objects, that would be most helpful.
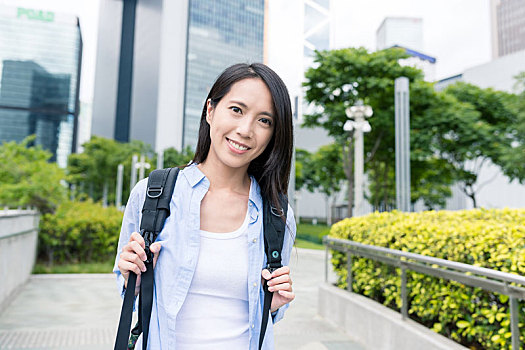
[
  {"x": 148, "y": 240},
  {"x": 154, "y": 191},
  {"x": 277, "y": 212},
  {"x": 271, "y": 268}
]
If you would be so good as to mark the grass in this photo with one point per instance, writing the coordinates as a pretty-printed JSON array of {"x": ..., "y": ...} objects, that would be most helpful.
[
  {"x": 96, "y": 267},
  {"x": 301, "y": 243},
  {"x": 312, "y": 233}
]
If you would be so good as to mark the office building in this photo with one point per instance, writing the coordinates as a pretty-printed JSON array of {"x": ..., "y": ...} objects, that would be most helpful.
[
  {"x": 508, "y": 26},
  {"x": 179, "y": 49},
  {"x": 401, "y": 31},
  {"x": 407, "y": 34},
  {"x": 40, "y": 55}
]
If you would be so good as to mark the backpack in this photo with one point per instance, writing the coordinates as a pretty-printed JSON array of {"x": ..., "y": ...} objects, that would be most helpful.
[{"x": 156, "y": 209}]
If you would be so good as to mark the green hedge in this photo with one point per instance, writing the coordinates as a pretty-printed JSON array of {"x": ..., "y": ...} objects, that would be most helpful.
[
  {"x": 79, "y": 232},
  {"x": 489, "y": 238}
]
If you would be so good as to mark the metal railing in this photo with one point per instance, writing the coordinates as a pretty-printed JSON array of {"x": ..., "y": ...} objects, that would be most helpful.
[{"x": 474, "y": 276}]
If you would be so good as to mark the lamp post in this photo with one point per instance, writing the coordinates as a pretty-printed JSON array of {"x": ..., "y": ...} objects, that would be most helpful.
[{"x": 358, "y": 123}]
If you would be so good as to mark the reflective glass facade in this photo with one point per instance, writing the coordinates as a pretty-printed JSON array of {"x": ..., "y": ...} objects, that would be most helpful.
[
  {"x": 40, "y": 65},
  {"x": 220, "y": 33}
]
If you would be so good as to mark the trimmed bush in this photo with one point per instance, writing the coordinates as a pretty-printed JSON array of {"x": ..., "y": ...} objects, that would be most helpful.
[
  {"x": 492, "y": 238},
  {"x": 79, "y": 232}
]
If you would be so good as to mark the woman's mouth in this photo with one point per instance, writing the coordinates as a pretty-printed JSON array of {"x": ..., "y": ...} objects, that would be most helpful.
[{"x": 237, "y": 146}]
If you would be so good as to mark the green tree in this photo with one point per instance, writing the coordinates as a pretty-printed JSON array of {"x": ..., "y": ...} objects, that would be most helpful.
[
  {"x": 338, "y": 80},
  {"x": 27, "y": 178},
  {"x": 174, "y": 158},
  {"x": 325, "y": 174},
  {"x": 302, "y": 166},
  {"x": 94, "y": 171},
  {"x": 484, "y": 135},
  {"x": 514, "y": 157}
]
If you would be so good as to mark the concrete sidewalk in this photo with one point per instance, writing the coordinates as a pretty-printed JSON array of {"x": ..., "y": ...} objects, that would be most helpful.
[{"x": 66, "y": 312}]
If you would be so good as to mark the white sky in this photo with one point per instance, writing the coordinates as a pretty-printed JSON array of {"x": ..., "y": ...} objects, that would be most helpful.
[{"x": 456, "y": 32}]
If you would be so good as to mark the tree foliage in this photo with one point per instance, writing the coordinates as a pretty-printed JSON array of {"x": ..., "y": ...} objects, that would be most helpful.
[
  {"x": 175, "y": 158},
  {"x": 27, "y": 178},
  {"x": 324, "y": 170},
  {"x": 97, "y": 166},
  {"x": 484, "y": 133},
  {"x": 513, "y": 160},
  {"x": 340, "y": 78}
]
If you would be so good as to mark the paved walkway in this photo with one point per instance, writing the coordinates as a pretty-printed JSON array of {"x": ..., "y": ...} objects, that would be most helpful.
[{"x": 80, "y": 312}]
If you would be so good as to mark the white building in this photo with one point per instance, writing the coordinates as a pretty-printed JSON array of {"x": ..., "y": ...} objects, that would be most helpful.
[
  {"x": 297, "y": 28},
  {"x": 401, "y": 31}
]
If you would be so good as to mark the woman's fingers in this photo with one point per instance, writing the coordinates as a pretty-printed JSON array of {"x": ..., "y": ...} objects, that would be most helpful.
[
  {"x": 133, "y": 258},
  {"x": 285, "y": 270},
  {"x": 281, "y": 279},
  {"x": 128, "y": 266},
  {"x": 266, "y": 274},
  {"x": 287, "y": 294},
  {"x": 135, "y": 236},
  {"x": 282, "y": 286},
  {"x": 155, "y": 249},
  {"x": 135, "y": 247}
]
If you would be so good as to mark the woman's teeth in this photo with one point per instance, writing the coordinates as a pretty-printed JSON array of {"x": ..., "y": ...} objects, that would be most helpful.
[{"x": 236, "y": 146}]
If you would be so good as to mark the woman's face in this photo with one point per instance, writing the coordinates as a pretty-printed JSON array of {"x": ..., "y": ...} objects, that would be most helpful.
[{"x": 241, "y": 124}]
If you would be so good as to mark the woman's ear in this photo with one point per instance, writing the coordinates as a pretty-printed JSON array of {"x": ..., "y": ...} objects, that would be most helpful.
[{"x": 209, "y": 111}]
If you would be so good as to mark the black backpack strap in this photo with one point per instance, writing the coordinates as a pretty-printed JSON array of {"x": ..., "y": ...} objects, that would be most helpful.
[
  {"x": 274, "y": 229},
  {"x": 156, "y": 209}
]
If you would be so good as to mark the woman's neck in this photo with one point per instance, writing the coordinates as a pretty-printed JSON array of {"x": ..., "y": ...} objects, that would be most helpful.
[{"x": 225, "y": 178}]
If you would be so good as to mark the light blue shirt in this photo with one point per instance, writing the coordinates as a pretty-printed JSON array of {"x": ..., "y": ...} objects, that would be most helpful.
[{"x": 180, "y": 239}]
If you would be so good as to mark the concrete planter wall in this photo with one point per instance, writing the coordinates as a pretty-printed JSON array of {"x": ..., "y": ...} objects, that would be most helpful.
[
  {"x": 18, "y": 243},
  {"x": 375, "y": 325}
]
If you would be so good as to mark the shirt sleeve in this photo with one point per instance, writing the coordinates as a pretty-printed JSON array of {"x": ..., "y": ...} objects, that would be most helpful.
[
  {"x": 289, "y": 239},
  {"x": 130, "y": 224}
]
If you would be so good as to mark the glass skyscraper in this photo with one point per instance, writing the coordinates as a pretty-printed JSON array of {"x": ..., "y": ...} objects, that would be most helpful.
[
  {"x": 220, "y": 33},
  {"x": 40, "y": 55}
]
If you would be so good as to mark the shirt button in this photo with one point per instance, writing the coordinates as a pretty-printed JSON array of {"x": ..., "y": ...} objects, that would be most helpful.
[
  {"x": 251, "y": 204},
  {"x": 254, "y": 240},
  {"x": 253, "y": 326},
  {"x": 254, "y": 284}
]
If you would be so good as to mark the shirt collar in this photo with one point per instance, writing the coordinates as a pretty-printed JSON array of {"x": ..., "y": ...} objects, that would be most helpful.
[
  {"x": 193, "y": 174},
  {"x": 255, "y": 194}
]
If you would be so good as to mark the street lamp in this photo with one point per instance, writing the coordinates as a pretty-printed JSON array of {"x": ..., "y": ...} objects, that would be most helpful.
[{"x": 358, "y": 113}]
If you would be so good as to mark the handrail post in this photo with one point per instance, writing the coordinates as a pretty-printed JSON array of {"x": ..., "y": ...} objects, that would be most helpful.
[
  {"x": 349, "y": 279},
  {"x": 326, "y": 264},
  {"x": 404, "y": 299},
  {"x": 514, "y": 328}
]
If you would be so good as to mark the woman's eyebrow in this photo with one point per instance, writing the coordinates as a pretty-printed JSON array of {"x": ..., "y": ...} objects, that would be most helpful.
[{"x": 243, "y": 105}]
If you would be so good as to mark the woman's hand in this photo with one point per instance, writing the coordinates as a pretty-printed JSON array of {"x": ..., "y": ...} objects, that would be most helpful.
[
  {"x": 280, "y": 283},
  {"x": 133, "y": 256}
]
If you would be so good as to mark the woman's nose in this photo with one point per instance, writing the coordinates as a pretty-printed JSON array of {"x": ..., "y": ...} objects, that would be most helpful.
[{"x": 245, "y": 127}]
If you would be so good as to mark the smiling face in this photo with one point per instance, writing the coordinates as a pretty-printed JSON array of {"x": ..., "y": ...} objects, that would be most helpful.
[{"x": 241, "y": 124}]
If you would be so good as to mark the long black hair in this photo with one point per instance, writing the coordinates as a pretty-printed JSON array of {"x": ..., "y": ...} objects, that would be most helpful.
[{"x": 271, "y": 168}]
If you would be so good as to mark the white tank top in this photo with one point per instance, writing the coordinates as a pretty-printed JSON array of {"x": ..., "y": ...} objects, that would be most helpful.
[{"x": 215, "y": 312}]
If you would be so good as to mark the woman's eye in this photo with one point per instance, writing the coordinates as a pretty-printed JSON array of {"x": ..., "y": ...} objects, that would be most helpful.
[
  {"x": 266, "y": 121},
  {"x": 236, "y": 109}
]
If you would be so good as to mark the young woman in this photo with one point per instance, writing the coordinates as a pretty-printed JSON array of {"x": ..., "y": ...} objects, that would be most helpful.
[{"x": 209, "y": 258}]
